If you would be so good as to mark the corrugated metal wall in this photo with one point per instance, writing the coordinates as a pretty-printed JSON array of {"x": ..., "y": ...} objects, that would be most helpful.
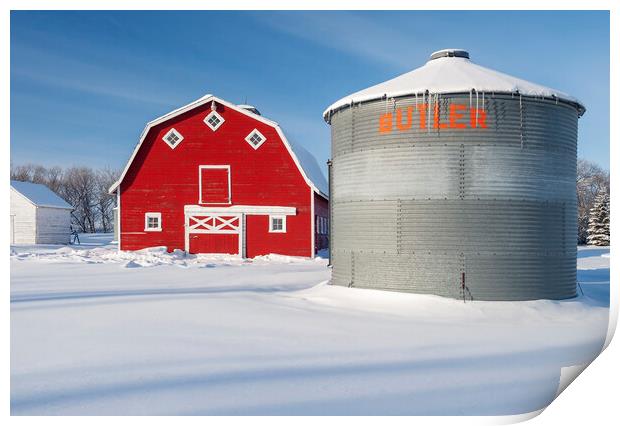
[{"x": 413, "y": 210}]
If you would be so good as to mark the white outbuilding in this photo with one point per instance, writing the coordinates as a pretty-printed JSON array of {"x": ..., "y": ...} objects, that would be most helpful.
[{"x": 38, "y": 215}]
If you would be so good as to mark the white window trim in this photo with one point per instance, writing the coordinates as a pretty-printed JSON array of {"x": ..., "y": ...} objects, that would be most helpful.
[
  {"x": 223, "y": 166},
  {"x": 173, "y": 130},
  {"x": 247, "y": 139},
  {"x": 196, "y": 210},
  {"x": 211, "y": 114},
  {"x": 279, "y": 231},
  {"x": 148, "y": 215}
]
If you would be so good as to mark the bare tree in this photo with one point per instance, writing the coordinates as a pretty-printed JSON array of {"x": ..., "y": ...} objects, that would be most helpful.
[
  {"x": 54, "y": 178},
  {"x": 105, "y": 202},
  {"x": 39, "y": 174},
  {"x": 22, "y": 172},
  {"x": 79, "y": 189}
]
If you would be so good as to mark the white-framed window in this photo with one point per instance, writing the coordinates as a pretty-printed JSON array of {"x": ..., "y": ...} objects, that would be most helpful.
[
  {"x": 321, "y": 225},
  {"x": 277, "y": 223},
  {"x": 173, "y": 138},
  {"x": 255, "y": 139},
  {"x": 214, "y": 185},
  {"x": 214, "y": 120},
  {"x": 152, "y": 221}
]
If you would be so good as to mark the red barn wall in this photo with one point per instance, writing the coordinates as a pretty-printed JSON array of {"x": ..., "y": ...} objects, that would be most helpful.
[
  {"x": 321, "y": 209},
  {"x": 161, "y": 179}
]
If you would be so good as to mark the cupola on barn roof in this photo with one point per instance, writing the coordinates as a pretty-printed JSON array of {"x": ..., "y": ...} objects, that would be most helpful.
[{"x": 451, "y": 71}]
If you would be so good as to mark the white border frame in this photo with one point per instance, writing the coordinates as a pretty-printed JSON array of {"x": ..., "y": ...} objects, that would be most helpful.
[
  {"x": 209, "y": 115},
  {"x": 148, "y": 215},
  {"x": 247, "y": 139},
  {"x": 177, "y": 133},
  {"x": 277, "y": 231},
  {"x": 208, "y": 166}
]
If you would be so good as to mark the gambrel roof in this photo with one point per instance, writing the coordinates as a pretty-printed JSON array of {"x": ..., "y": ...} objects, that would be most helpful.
[
  {"x": 39, "y": 195},
  {"x": 305, "y": 162}
]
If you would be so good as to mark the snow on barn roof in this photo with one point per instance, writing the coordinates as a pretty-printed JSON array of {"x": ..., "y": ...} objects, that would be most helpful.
[
  {"x": 451, "y": 71},
  {"x": 305, "y": 161},
  {"x": 310, "y": 166},
  {"x": 39, "y": 195}
]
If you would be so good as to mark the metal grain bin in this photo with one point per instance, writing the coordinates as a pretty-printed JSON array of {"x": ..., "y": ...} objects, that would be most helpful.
[{"x": 455, "y": 180}]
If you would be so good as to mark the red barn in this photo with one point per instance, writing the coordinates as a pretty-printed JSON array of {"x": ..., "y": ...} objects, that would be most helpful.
[{"x": 214, "y": 177}]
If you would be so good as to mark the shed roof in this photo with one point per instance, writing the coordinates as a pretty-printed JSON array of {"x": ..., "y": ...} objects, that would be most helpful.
[
  {"x": 451, "y": 71},
  {"x": 40, "y": 195}
]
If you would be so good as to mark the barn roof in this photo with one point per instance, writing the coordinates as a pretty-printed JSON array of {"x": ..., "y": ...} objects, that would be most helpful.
[
  {"x": 310, "y": 166},
  {"x": 451, "y": 71},
  {"x": 39, "y": 195},
  {"x": 306, "y": 163}
]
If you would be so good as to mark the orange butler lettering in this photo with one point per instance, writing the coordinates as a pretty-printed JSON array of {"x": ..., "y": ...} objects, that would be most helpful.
[
  {"x": 436, "y": 123},
  {"x": 477, "y": 118},
  {"x": 423, "y": 109},
  {"x": 385, "y": 123},
  {"x": 399, "y": 119},
  {"x": 455, "y": 115}
]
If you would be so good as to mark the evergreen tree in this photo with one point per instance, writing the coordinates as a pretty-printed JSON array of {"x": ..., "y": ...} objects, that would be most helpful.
[{"x": 598, "y": 229}]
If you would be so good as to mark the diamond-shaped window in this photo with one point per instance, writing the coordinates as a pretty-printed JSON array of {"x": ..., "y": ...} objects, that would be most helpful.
[
  {"x": 214, "y": 120},
  {"x": 173, "y": 138},
  {"x": 255, "y": 139}
]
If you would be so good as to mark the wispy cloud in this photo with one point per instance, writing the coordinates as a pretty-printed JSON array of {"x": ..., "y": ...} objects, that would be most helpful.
[
  {"x": 101, "y": 87},
  {"x": 113, "y": 78},
  {"x": 350, "y": 33}
]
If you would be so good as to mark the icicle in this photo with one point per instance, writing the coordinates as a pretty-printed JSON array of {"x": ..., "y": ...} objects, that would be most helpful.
[
  {"x": 476, "y": 108},
  {"x": 428, "y": 120},
  {"x": 521, "y": 118},
  {"x": 470, "y": 98},
  {"x": 438, "y": 106}
]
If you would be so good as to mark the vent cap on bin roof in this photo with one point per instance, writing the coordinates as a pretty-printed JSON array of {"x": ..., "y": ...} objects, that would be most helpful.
[
  {"x": 448, "y": 53},
  {"x": 451, "y": 71}
]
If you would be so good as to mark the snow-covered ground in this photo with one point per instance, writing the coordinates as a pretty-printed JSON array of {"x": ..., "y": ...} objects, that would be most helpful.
[{"x": 94, "y": 331}]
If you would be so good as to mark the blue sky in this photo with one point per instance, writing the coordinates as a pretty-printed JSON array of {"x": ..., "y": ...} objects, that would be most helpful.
[{"x": 83, "y": 84}]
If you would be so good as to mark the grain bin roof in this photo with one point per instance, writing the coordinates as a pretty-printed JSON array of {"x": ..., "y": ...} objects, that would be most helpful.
[
  {"x": 451, "y": 71},
  {"x": 39, "y": 195}
]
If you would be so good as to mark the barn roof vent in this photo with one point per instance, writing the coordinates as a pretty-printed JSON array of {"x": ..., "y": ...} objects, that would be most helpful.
[
  {"x": 250, "y": 108},
  {"x": 450, "y": 53}
]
